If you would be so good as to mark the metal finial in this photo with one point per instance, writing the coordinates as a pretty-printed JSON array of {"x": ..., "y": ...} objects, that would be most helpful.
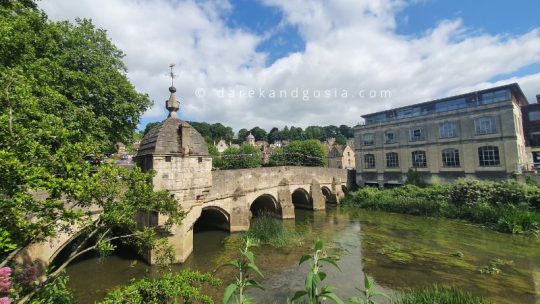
[{"x": 172, "y": 74}]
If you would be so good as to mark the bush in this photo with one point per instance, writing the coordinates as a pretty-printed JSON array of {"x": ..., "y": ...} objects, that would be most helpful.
[
  {"x": 238, "y": 158},
  {"x": 172, "y": 287},
  {"x": 507, "y": 206}
]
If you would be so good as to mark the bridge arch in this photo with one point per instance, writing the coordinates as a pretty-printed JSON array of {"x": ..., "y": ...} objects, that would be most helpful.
[
  {"x": 212, "y": 218},
  {"x": 329, "y": 197},
  {"x": 265, "y": 204},
  {"x": 301, "y": 199}
]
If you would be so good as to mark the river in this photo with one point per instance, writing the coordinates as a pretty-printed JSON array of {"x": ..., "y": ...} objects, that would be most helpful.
[{"x": 398, "y": 251}]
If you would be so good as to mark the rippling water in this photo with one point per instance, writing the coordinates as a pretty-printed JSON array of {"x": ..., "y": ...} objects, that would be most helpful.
[{"x": 399, "y": 251}]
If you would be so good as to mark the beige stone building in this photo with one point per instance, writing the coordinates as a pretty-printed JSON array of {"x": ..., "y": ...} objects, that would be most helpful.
[
  {"x": 341, "y": 157},
  {"x": 478, "y": 135},
  {"x": 221, "y": 146}
]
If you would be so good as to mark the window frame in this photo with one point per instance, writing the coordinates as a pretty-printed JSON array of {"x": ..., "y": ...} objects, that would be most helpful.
[
  {"x": 415, "y": 155},
  {"x": 369, "y": 164},
  {"x": 394, "y": 161},
  {"x": 482, "y": 131},
  {"x": 450, "y": 158},
  {"x": 394, "y": 137},
  {"x": 368, "y": 143},
  {"x": 483, "y": 151},
  {"x": 446, "y": 132},
  {"x": 422, "y": 136}
]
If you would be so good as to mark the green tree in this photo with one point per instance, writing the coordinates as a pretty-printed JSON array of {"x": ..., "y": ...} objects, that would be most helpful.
[
  {"x": 259, "y": 133},
  {"x": 285, "y": 134},
  {"x": 341, "y": 140},
  {"x": 346, "y": 131},
  {"x": 331, "y": 131},
  {"x": 296, "y": 133},
  {"x": 65, "y": 97},
  {"x": 300, "y": 153},
  {"x": 242, "y": 134},
  {"x": 315, "y": 132},
  {"x": 274, "y": 135},
  {"x": 237, "y": 158},
  {"x": 220, "y": 131}
]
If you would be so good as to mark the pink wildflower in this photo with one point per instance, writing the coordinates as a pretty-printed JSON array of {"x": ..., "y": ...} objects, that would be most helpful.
[
  {"x": 5, "y": 280},
  {"x": 5, "y": 300},
  {"x": 29, "y": 275}
]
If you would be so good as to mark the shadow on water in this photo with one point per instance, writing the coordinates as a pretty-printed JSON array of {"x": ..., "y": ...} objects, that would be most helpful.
[{"x": 398, "y": 251}]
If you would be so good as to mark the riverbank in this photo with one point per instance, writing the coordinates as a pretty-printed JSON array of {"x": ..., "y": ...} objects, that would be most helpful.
[{"x": 506, "y": 207}]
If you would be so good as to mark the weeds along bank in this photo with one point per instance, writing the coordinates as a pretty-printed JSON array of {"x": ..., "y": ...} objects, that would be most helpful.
[{"x": 503, "y": 206}]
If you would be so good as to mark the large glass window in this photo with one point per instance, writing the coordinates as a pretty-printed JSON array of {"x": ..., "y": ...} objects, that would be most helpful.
[
  {"x": 369, "y": 161},
  {"x": 390, "y": 137},
  {"x": 489, "y": 156},
  {"x": 417, "y": 133},
  {"x": 419, "y": 159},
  {"x": 496, "y": 96},
  {"x": 448, "y": 129},
  {"x": 534, "y": 115},
  {"x": 485, "y": 125},
  {"x": 450, "y": 105},
  {"x": 534, "y": 139},
  {"x": 407, "y": 112},
  {"x": 392, "y": 160},
  {"x": 450, "y": 157},
  {"x": 368, "y": 139}
]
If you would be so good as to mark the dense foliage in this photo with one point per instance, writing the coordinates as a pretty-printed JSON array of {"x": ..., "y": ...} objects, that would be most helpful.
[
  {"x": 244, "y": 157},
  {"x": 180, "y": 287},
  {"x": 64, "y": 96},
  {"x": 300, "y": 153},
  {"x": 65, "y": 99},
  {"x": 507, "y": 206},
  {"x": 212, "y": 133}
]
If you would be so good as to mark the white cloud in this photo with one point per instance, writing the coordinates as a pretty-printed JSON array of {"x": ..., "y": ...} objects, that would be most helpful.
[{"x": 350, "y": 44}]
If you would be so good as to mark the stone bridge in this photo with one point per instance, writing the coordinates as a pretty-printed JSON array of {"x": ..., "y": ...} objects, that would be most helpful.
[
  {"x": 238, "y": 195},
  {"x": 226, "y": 199}
]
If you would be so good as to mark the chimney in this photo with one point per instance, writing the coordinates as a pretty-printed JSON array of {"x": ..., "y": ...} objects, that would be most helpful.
[{"x": 538, "y": 98}]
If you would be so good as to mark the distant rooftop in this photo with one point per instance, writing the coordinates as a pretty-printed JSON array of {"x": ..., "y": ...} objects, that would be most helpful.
[{"x": 468, "y": 100}]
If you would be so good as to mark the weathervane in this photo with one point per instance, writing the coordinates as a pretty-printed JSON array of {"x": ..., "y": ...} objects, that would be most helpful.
[
  {"x": 172, "y": 104},
  {"x": 172, "y": 74}
]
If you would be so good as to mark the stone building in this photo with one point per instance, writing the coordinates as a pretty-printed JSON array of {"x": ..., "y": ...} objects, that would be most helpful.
[
  {"x": 341, "y": 157},
  {"x": 179, "y": 156},
  {"x": 531, "y": 127},
  {"x": 250, "y": 139},
  {"x": 478, "y": 135},
  {"x": 221, "y": 146}
]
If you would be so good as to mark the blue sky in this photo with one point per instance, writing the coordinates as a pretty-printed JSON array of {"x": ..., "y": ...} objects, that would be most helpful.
[{"x": 417, "y": 49}]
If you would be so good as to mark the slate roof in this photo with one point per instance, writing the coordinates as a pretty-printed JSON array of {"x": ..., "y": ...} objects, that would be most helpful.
[{"x": 166, "y": 139}]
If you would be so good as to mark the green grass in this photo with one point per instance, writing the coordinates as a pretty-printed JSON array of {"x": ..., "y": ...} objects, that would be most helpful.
[
  {"x": 270, "y": 230},
  {"x": 438, "y": 295}
]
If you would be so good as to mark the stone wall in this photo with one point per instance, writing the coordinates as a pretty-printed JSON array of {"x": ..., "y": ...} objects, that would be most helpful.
[{"x": 226, "y": 182}]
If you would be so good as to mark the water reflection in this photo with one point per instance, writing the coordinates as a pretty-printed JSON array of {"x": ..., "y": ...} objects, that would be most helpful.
[{"x": 398, "y": 251}]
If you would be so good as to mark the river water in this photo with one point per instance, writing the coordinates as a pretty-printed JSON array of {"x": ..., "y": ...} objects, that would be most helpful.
[{"x": 398, "y": 251}]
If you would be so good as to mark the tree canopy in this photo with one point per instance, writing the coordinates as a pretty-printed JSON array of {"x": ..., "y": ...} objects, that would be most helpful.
[{"x": 65, "y": 99}]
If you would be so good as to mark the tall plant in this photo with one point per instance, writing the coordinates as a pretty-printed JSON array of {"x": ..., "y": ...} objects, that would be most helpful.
[
  {"x": 312, "y": 292},
  {"x": 235, "y": 292},
  {"x": 368, "y": 294}
]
